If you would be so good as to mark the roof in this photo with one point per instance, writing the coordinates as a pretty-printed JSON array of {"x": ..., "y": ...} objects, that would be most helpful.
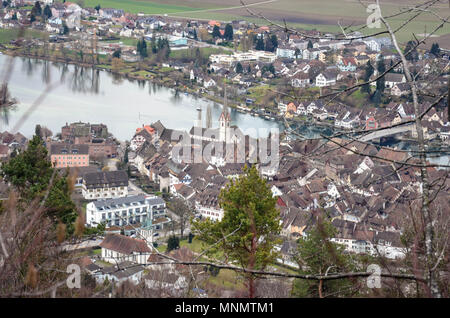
[
  {"x": 124, "y": 244},
  {"x": 63, "y": 148},
  {"x": 106, "y": 178},
  {"x": 127, "y": 201}
]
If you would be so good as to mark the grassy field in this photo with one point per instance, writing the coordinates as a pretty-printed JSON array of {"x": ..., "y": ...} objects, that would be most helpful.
[
  {"x": 6, "y": 35},
  {"x": 323, "y": 15},
  {"x": 135, "y": 6}
]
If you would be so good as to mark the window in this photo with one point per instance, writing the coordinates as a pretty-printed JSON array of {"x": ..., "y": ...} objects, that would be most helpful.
[{"x": 103, "y": 216}]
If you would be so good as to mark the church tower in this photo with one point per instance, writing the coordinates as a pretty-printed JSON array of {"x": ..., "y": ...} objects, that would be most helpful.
[{"x": 224, "y": 120}]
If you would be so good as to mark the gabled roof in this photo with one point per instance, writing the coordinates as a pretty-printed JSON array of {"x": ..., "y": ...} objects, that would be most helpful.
[
  {"x": 124, "y": 244},
  {"x": 108, "y": 178}
]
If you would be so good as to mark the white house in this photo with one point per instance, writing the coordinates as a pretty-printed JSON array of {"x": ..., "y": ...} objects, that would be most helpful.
[
  {"x": 118, "y": 248},
  {"x": 105, "y": 185},
  {"x": 326, "y": 79},
  {"x": 209, "y": 82}
]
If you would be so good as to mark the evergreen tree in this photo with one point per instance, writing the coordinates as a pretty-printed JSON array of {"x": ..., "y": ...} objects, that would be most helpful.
[
  {"x": 368, "y": 72},
  {"x": 31, "y": 174},
  {"x": 317, "y": 255},
  {"x": 310, "y": 44},
  {"x": 117, "y": 53},
  {"x": 381, "y": 68},
  {"x": 228, "y": 35},
  {"x": 153, "y": 45},
  {"x": 59, "y": 205},
  {"x": 37, "y": 10},
  {"x": 268, "y": 46},
  {"x": 195, "y": 34},
  {"x": 376, "y": 97},
  {"x": 435, "y": 49},
  {"x": 47, "y": 12},
  {"x": 414, "y": 55},
  {"x": 173, "y": 243},
  {"x": 30, "y": 171},
  {"x": 251, "y": 224},
  {"x": 141, "y": 48},
  {"x": 38, "y": 131},
  {"x": 216, "y": 32},
  {"x": 239, "y": 68},
  {"x": 259, "y": 44},
  {"x": 274, "y": 42}
]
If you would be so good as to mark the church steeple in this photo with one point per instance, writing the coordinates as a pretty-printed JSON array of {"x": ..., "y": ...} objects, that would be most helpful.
[{"x": 224, "y": 119}]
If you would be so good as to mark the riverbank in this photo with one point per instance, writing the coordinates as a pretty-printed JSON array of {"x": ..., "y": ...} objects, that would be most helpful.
[{"x": 167, "y": 77}]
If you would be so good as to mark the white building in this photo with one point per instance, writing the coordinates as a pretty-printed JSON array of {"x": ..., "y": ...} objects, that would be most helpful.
[
  {"x": 208, "y": 207},
  {"x": 118, "y": 248},
  {"x": 105, "y": 185},
  {"x": 326, "y": 79},
  {"x": 124, "y": 211}
]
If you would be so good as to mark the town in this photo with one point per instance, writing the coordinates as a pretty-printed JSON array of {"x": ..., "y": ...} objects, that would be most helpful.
[{"x": 141, "y": 201}]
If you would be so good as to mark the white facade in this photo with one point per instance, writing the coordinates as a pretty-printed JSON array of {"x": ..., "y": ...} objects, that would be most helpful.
[
  {"x": 113, "y": 257},
  {"x": 210, "y": 212},
  {"x": 123, "y": 211},
  {"x": 104, "y": 193},
  {"x": 322, "y": 81}
]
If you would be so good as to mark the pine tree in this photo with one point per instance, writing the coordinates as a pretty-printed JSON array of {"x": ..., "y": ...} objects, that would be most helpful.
[
  {"x": 413, "y": 55},
  {"x": 228, "y": 35},
  {"x": 30, "y": 173},
  {"x": 216, "y": 32},
  {"x": 435, "y": 49},
  {"x": 317, "y": 255},
  {"x": 367, "y": 74},
  {"x": 251, "y": 223},
  {"x": 274, "y": 42},
  {"x": 381, "y": 68},
  {"x": 173, "y": 243},
  {"x": 239, "y": 68},
  {"x": 47, "y": 12},
  {"x": 259, "y": 44}
]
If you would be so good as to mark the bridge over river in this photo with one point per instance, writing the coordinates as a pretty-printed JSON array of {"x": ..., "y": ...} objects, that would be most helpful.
[{"x": 388, "y": 132}]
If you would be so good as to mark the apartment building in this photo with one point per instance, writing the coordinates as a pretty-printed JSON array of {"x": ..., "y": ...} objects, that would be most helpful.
[{"x": 64, "y": 155}]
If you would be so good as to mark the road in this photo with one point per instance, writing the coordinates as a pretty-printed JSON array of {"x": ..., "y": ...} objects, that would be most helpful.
[
  {"x": 82, "y": 245},
  {"x": 134, "y": 189}
]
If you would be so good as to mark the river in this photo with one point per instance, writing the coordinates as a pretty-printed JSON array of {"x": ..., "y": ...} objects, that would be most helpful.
[{"x": 96, "y": 96}]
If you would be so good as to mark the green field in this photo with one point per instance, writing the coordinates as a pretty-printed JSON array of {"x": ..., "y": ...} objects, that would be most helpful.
[
  {"x": 6, "y": 35},
  {"x": 321, "y": 15},
  {"x": 135, "y": 6}
]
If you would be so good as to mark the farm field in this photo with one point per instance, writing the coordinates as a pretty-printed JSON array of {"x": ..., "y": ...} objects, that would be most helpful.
[
  {"x": 321, "y": 15},
  {"x": 135, "y": 6}
]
